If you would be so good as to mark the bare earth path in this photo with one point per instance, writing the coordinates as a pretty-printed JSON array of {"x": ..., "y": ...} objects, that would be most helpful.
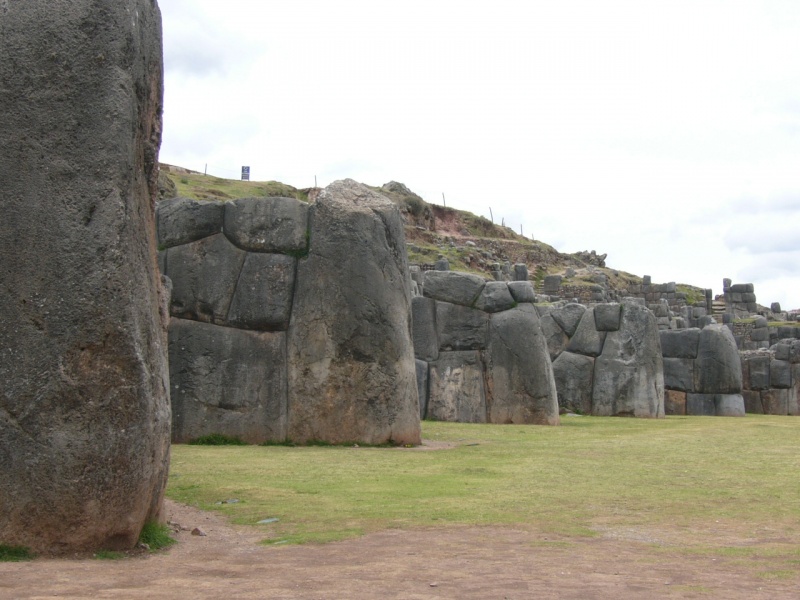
[{"x": 459, "y": 563}]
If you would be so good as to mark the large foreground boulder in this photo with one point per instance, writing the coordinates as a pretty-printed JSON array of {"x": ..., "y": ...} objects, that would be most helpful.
[
  {"x": 351, "y": 366},
  {"x": 84, "y": 405}
]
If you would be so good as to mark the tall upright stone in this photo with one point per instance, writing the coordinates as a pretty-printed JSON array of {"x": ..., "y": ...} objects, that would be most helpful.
[
  {"x": 351, "y": 362},
  {"x": 84, "y": 405}
]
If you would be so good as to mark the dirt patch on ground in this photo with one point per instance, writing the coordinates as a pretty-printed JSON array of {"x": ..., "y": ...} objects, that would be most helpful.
[{"x": 461, "y": 562}]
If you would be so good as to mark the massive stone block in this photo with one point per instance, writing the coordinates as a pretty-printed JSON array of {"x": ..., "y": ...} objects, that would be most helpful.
[
  {"x": 495, "y": 297},
  {"x": 569, "y": 317},
  {"x": 556, "y": 339},
  {"x": 227, "y": 381},
  {"x": 574, "y": 376},
  {"x": 426, "y": 342},
  {"x": 182, "y": 220},
  {"x": 718, "y": 369},
  {"x": 629, "y": 374},
  {"x": 204, "y": 275},
  {"x": 264, "y": 290},
  {"x": 587, "y": 340},
  {"x": 519, "y": 376},
  {"x": 84, "y": 405},
  {"x": 456, "y": 388},
  {"x": 461, "y": 328},
  {"x": 454, "y": 287},
  {"x": 268, "y": 224},
  {"x": 350, "y": 356},
  {"x": 679, "y": 374},
  {"x": 681, "y": 343}
]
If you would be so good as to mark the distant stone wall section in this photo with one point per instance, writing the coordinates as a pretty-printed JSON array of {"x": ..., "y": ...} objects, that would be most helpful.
[
  {"x": 481, "y": 353},
  {"x": 702, "y": 372},
  {"x": 606, "y": 359},
  {"x": 772, "y": 379},
  {"x": 290, "y": 321}
]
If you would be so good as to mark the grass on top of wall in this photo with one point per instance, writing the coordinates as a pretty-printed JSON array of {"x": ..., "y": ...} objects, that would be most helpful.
[{"x": 588, "y": 474}]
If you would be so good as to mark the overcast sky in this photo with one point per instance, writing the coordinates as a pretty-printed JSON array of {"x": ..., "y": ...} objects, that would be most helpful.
[{"x": 664, "y": 133}]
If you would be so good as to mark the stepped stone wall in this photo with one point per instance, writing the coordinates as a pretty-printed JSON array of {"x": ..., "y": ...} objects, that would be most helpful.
[
  {"x": 84, "y": 404},
  {"x": 290, "y": 321}
]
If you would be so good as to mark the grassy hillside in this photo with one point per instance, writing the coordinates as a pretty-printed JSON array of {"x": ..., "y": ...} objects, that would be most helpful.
[{"x": 470, "y": 242}]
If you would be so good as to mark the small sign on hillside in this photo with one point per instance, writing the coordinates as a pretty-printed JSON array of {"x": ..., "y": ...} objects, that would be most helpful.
[{"x": 245, "y": 173}]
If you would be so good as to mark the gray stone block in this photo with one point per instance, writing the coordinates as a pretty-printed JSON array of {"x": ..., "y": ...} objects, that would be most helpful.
[
  {"x": 729, "y": 405},
  {"x": 264, "y": 291},
  {"x": 681, "y": 343},
  {"x": 84, "y": 406},
  {"x": 461, "y": 328},
  {"x": 781, "y": 351},
  {"x": 759, "y": 335},
  {"x": 522, "y": 291},
  {"x": 587, "y": 340},
  {"x": 227, "y": 381},
  {"x": 268, "y": 224},
  {"x": 520, "y": 272},
  {"x": 718, "y": 369},
  {"x": 759, "y": 369},
  {"x": 423, "y": 330},
  {"x": 568, "y": 317},
  {"x": 760, "y": 322},
  {"x": 780, "y": 374},
  {"x": 182, "y": 220},
  {"x": 204, "y": 276},
  {"x": 574, "y": 375},
  {"x": 352, "y": 374},
  {"x": 775, "y": 401},
  {"x": 679, "y": 374},
  {"x": 519, "y": 383},
  {"x": 456, "y": 391},
  {"x": 552, "y": 284},
  {"x": 422, "y": 386},
  {"x": 607, "y": 317},
  {"x": 495, "y": 297},
  {"x": 557, "y": 340},
  {"x": 453, "y": 287},
  {"x": 748, "y": 298},
  {"x": 702, "y": 405},
  {"x": 742, "y": 288},
  {"x": 629, "y": 374}
]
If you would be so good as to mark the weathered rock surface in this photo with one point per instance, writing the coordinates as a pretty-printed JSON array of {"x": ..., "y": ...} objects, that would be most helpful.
[
  {"x": 182, "y": 220},
  {"x": 495, "y": 297},
  {"x": 204, "y": 275},
  {"x": 267, "y": 224},
  {"x": 569, "y": 317},
  {"x": 556, "y": 339},
  {"x": 628, "y": 375},
  {"x": 456, "y": 388},
  {"x": 520, "y": 383},
  {"x": 351, "y": 362},
  {"x": 681, "y": 343},
  {"x": 227, "y": 381},
  {"x": 264, "y": 290},
  {"x": 426, "y": 342},
  {"x": 454, "y": 287},
  {"x": 84, "y": 404},
  {"x": 460, "y": 327},
  {"x": 574, "y": 376},
  {"x": 587, "y": 340},
  {"x": 718, "y": 369},
  {"x": 522, "y": 291}
]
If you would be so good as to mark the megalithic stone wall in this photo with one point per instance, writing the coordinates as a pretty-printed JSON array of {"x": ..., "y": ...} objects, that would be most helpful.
[
  {"x": 606, "y": 359},
  {"x": 290, "y": 321},
  {"x": 771, "y": 379},
  {"x": 702, "y": 372},
  {"x": 481, "y": 353},
  {"x": 84, "y": 405}
]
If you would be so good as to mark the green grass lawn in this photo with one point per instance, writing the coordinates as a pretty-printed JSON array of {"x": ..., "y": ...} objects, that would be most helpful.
[{"x": 589, "y": 473}]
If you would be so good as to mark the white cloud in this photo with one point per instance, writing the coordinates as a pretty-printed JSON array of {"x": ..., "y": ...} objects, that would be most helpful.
[{"x": 657, "y": 132}]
